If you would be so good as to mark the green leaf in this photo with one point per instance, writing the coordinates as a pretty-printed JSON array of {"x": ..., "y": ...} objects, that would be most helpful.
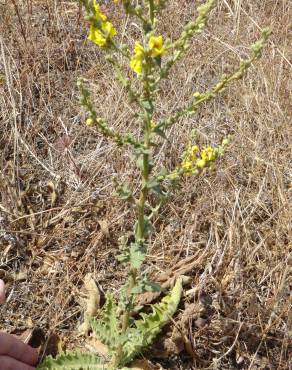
[
  {"x": 124, "y": 192},
  {"x": 148, "y": 228},
  {"x": 107, "y": 327},
  {"x": 124, "y": 247},
  {"x": 73, "y": 361},
  {"x": 160, "y": 133},
  {"x": 140, "y": 163},
  {"x": 144, "y": 285},
  {"x": 145, "y": 330},
  {"x": 137, "y": 255},
  {"x": 152, "y": 183},
  {"x": 158, "y": 61},
  {"x": 147, "y": 105},
  {"x": 163, "y": 172},
  {"x": 151, "y": 287}
]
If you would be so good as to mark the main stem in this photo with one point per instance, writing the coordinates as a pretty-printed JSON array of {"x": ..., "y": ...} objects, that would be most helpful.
[{"x": 140, "y": 233}]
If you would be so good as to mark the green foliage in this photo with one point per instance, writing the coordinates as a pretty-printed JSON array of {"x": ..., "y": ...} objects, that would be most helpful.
[
  {"x": 137, "y": 337},
  {"x": 72, "y": 361},
  {"x": 134, "y": 253},
  {"x": 137, "y": 254},
  {"x": 124, "y": 192},
  {"x": 144, "y": 331},
  {"x": 107, "y": 327},
  {"x": 144, "y": 285},
  {"x": 141, "y": 333}
]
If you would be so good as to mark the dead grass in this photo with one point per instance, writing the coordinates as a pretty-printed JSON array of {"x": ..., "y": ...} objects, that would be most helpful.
[{"x": 56, "y": 181}]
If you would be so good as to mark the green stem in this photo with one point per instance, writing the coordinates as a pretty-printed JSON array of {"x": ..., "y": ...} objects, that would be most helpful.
[
  {"x": 145, "y": 177},
  {"x": 125, "y": 318},
  {"x": 140, "y": 234},
  {"x": 151, "y": 11}
]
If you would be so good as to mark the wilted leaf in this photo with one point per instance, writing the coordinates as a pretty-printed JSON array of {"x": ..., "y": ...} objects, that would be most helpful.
[
  {"x": 143, "y": 365},
  {"x": 53, "y": 191},
  {"x": 2, "y": 292},
  {"x": 95, "y": 344},
  {"x": 92, "y": 302},
  {"x": 53, "y": 345},
  {"x": 104, "y": 227},
  {"x": 20, "y": 276}
]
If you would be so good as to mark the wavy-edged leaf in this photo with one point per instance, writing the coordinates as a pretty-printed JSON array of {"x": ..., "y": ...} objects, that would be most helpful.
[
  {"x": 107, "y": 327},
  {"x": 146, "y": 329},
  {"x": 73, "y": 361},
  {"x": 137, "y": 254}
]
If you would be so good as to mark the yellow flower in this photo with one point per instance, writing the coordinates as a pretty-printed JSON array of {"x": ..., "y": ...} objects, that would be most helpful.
[
  {"x": 189, "y": 157},
  {"x": 187, "y": 164},
  {"x": 156, "y": 46},
  {"x": 193, "y": 151},
  {"x": 89, "y": 121},
  {"x": 109, "y": 29},
  {"x": 136, "y": 65},
  {"x": 208, "y": 154},
  {"x": 201, "y": 163},
  {"x": 101, "y": 36},
  {"x": 97, "y": 13},
  {"x": 138, "y": 49},
  {"x": 137, "y": 59},
  {"x": 96, "y": 36},
  {"x": 101, "y": 31}
]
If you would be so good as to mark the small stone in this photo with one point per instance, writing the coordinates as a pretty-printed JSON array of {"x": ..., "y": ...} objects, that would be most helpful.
[
  {"x": 201, "y": 323},
  {"x": 205, "y": 298}
]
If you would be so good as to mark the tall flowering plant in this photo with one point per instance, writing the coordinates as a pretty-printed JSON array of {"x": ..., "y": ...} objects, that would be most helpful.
[{"x": 150, "y": 60}]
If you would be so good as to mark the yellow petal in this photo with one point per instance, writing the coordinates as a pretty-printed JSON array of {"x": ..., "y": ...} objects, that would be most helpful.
[
  {"x": 96, "y": 36},
  {"x": 109, "y": 29},
  {"x": 138, "y": 49},
  {"x": 136, "y": 64},
  {"x": 156, "y": 46},
  {"x": 98, "y": 13}
]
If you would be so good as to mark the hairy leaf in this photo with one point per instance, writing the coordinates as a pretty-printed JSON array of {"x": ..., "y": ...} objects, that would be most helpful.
[
  {"x": 124, "y": 192},
  {"x": 107, "y": 327},
  {"x": 145, "y": 330},
  {"x": 137, "y": 254},
  {"x": 144, "y": 285},
  {"x": 73, "y": 361}
]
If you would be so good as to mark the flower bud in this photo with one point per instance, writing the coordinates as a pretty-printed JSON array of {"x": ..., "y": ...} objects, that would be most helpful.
[
  {"x": 89, "y": 121},
  {"x": 201, "y": 163}
]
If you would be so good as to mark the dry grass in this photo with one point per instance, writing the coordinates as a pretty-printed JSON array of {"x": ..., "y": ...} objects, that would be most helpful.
[{"x": 56, "y": 179}]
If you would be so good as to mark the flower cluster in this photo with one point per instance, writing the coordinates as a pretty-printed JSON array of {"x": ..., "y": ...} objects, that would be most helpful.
[
  {"x": 101, "y": 31},
  {"x": 155, "y": 49},
  {"x": 193, "y": 160},
  {"x": 208, "y": 156},
  {"x": 189, "y": 158}
]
